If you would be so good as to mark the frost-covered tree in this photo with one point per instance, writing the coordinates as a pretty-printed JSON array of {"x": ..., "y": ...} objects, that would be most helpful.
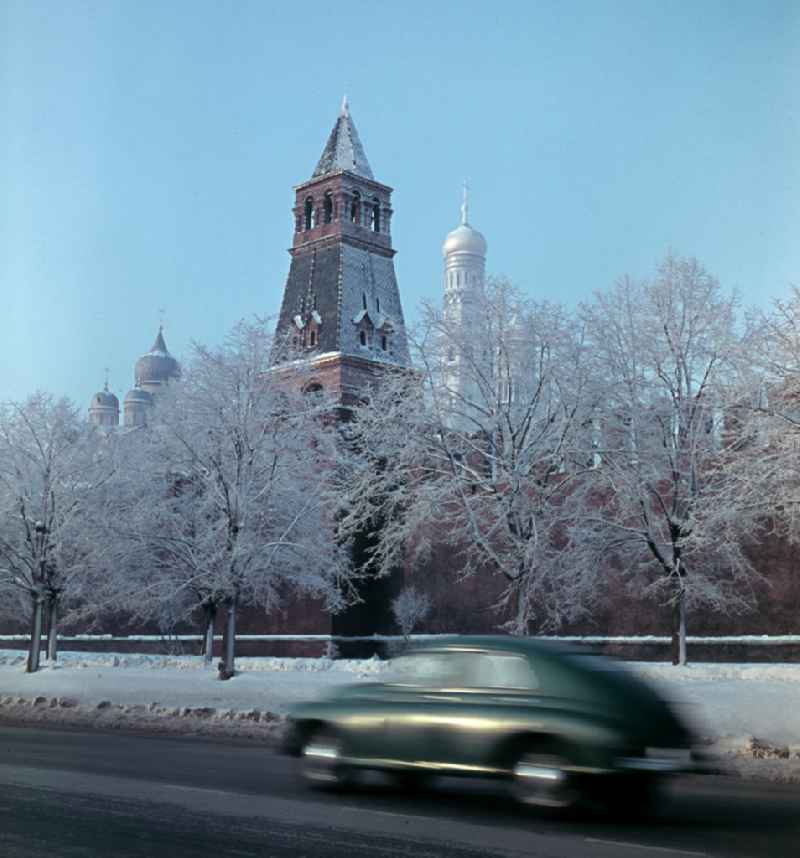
[
  {"x": 482, "y": 448},
  {"x": 766, "y": 465},
  {"x": 53, "y": 466},
  {"x": 409, "y": 608},
  {"x": 665, "y": 356},
  {"x": 223, "y": 505},
  {"x": 158, "y": 564}
]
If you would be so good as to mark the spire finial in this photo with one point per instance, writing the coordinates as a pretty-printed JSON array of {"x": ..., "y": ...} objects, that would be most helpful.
[
  {"x": 105, "y": 386},
  {"x": 465, "y": 203},
  {"x": 345, "y": 111},
  {"x": 161, "y": 314}
]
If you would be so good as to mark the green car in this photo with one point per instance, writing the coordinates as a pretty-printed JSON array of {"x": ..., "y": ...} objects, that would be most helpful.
[{"x": 556, "y": 723}]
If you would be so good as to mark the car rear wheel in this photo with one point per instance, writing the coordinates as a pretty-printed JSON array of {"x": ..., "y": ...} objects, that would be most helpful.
[
  {"x": 321, "y": 760},
  {"x": 542, "y": 779}
]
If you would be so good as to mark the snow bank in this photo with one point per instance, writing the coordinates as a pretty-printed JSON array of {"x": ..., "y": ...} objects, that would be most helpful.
[
  {"x": 732, "y": 703},
  {"x": 69, "y": 712},
  {"x": 707, "y": 671},
  {"x": 192, "y": 662},
  {"x": 94, "y": 680}
]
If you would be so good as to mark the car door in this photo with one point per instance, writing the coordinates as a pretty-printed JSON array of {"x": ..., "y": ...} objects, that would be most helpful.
[
  {"x": 422, "y": 702},
  {"x": 454, "y": 718},
  {"x": 501, "y": 695}
]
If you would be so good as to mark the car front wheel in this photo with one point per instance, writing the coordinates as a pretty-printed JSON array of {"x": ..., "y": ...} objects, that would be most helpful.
[
  {"x": 320, "y": 760},
  {"x": 542, "y": 779}
]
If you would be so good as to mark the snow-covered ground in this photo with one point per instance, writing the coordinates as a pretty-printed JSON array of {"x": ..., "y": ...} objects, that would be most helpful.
[
  {"x": 749, "y": 711},
  {"x": 267, "y": 684}
]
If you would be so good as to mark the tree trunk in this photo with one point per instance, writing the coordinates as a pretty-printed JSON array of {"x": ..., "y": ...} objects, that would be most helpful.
[
  {"x": 521, "y": 623},
  {"x": 52, "y": 629},
  {"x": 227, "y": 666},
  {"x": 36, "y": 635},
  {"x": 679, "y": 628},
  {"x": 209, "y": 617}
]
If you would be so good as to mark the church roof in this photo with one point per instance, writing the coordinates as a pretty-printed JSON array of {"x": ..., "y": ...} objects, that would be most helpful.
[
  {"x": 159, "y": 346},
  {"x": 137, "y": 394},
  {"x": 343, "y": 151},
  {"x": 158, "y": 365},
  {"x": 105, "y": 399}
]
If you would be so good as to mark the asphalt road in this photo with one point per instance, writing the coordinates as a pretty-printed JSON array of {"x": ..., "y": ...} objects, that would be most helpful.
[{"x": 92, "y": 794}]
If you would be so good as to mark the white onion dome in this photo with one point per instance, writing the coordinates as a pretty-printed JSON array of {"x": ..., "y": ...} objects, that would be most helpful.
[
  {"x": 157, "y": 366},
  {"x": 464, "y": 239}
]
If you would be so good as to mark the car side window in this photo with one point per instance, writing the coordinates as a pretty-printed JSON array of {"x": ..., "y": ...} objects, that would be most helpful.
[
  {"x": 429, "y": 669},
  {"x": 464, "y": 670},
  {"x": 498, "y": 670}
]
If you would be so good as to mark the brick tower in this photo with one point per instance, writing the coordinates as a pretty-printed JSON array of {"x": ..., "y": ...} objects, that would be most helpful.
[
  {"x": 341, "y": 305},
  {"x": 341, "y": 312}
]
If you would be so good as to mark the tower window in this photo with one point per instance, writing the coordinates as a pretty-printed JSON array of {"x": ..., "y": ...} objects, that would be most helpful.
[
  {"x": 364, "y": 300},
  {"x": 378, "y": 304},
  {"x": 376, "y": 215},
  {"x": 355, "y": 208},
  {"x": 328, "y": 207},
  {"x": 362, "y": 336},
  {"x": 312, "y": 338},
  {"x": 384, "y": 342},
  {"x": 308, "y": 213}
]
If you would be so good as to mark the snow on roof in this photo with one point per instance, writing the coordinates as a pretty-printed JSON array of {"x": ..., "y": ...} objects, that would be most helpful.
[{"x": 343, "y": 151}]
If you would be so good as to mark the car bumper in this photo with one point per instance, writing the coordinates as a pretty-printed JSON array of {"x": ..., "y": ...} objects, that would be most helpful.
[{"x": 670, "y": 760}]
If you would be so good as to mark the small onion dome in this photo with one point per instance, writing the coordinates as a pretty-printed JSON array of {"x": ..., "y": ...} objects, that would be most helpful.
[
  {"x": 105, "y": 399},
  {"x": 157, "y": 366},
  {"x": 137, "y": 396},
  {"x": 464, "y": 239}
]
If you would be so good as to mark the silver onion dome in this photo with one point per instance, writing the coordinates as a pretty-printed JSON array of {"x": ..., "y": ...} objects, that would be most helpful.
[
  {"x": 105, "y": 399},
  {"x": 157, "y": 366},
  {"x": 464, "y": 239},
  {"x": 138, "y": 395},
  {"x": 104, "y": 408}
]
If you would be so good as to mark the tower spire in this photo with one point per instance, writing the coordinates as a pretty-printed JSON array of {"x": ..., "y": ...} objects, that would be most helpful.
[
  {"x": 343, "y": 152},
  {"x": 465, "y": 204}
]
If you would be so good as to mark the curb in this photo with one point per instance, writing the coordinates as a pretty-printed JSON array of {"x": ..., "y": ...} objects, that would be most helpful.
[{"x": 261, "y": 725}]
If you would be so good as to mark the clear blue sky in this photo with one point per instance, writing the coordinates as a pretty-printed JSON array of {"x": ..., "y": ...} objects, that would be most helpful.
[{"x": 148, "y": 152}]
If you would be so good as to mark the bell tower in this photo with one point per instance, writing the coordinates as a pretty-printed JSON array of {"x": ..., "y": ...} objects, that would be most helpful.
[
  {"x": 341, "y": 305},
  {"x": 341, "y": 315}
]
